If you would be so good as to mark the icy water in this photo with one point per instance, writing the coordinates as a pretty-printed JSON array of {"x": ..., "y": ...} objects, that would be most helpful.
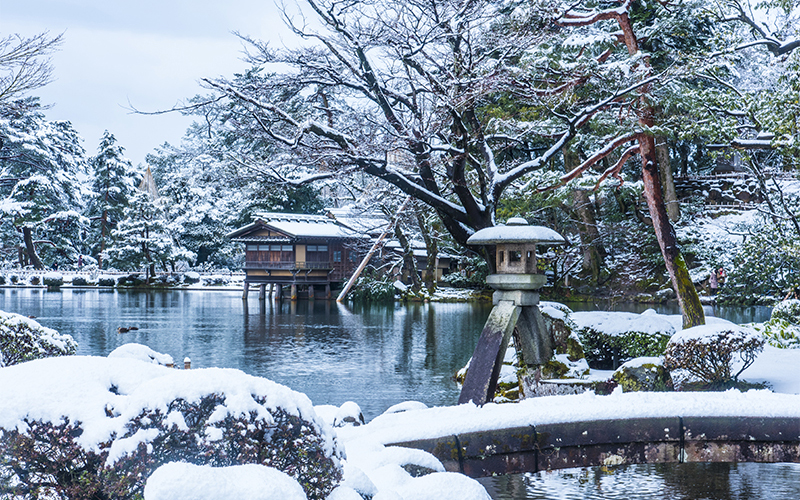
[{"x": 377, "y": 356}]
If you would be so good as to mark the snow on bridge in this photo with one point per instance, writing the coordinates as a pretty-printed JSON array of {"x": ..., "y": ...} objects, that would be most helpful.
[{"x": 584, "y": 430}]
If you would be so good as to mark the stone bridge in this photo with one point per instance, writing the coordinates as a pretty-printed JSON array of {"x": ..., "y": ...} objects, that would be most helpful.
[{"x": 617, "y": 442}]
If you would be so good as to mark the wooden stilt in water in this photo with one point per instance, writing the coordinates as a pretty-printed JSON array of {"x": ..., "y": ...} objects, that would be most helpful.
[
  {"x": 327, "y": 291},
  {"x": 310, "y": 292},
  {"x": 294, "y": 292},
  {"x": 245, "y": 290},
  {"x": 278, "y": 291},
  {"x": 262, "y": 292}
]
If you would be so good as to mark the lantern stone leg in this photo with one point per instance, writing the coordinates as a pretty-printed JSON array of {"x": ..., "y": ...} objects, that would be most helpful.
[{"x": 484, "y": 369}]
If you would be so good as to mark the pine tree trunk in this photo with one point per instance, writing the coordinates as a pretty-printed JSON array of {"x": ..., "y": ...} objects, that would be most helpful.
[
  {"x": 667, "y": 181},
  {"x": 593, "y": 251},
  {"x": 30, "y": 248},
  {"x": 688, "y": 299}
]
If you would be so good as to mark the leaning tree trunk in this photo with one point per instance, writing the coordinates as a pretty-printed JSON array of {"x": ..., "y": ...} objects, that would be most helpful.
[
  {"x": 30, "y": 248},
  {"x": 688, "y": 299}
]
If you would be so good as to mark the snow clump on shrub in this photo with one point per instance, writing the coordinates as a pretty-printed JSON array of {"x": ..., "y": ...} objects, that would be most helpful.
[
  {"x": 709, "y": 354},
  {"x": 250, "y": 481},
  {"x": 23, "y": 339},
  {"x": 783, "y": 328},
  {"x": 91, "y": 427}
]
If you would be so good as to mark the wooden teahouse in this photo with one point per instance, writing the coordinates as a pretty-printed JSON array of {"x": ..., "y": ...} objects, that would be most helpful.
[{"x": 311, "y": 252}]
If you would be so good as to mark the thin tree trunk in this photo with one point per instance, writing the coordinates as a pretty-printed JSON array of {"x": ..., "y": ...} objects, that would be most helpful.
[
  {"x": 688, "y": 299},
  {"x": 409, "y": 262},
  {"x": 431, "y": 248}
]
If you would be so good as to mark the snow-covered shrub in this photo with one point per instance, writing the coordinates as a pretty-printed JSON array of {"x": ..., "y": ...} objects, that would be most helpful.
[
  {"x": 216, "y": 281},
  {"x": 783, "y": 328},
  {"x": 53, "y": 279},
  {"x": 142, "y": 353},
  {"x": 611, "y": 338},
  {"x": 788, "y": 310},
  {"x": 369, "y": 289},
  {"x": 191, "y": 278},
  {"x": 134, "y": 279},
  {"x": 2, "y": 280},
  {"x": 14, "y": 279},
  {"x": 473, "y": 274},
  {"x": 714, "y": 355},
  {"x": 35, "y": 280},
  {"x": 23, "y": 339},
  {"x": 91, "y": 427},
  {"x": 106, "y": 280}
]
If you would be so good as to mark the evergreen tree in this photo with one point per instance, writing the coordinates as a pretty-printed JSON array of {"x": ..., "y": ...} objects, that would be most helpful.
[
  {"x": 41, "y": 164},
  {"x": 113, "y": 185},
  {"x": 143, "y": 238}
]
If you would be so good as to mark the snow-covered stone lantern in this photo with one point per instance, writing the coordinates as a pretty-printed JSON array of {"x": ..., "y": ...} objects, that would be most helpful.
[{"x": 516, "y": 283}]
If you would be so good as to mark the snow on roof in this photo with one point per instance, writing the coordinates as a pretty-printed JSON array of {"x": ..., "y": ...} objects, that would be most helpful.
[{"x": 297, "y": 226}]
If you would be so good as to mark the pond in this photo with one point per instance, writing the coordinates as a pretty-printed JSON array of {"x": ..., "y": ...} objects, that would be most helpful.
[{"x": 375, "y": 355}]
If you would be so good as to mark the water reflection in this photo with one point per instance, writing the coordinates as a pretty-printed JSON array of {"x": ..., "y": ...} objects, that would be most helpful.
[
  {"x": 376, "y": 355},
  {"x": 694, "y": 481}
]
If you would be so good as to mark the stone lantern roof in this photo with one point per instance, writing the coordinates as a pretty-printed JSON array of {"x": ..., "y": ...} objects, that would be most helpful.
[
  {"x": 516, "y": 245},
  {"x": 516, "y": 230}
]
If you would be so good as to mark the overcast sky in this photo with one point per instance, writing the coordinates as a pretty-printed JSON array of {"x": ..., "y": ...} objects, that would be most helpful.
[{"x": 149, "y": 53}]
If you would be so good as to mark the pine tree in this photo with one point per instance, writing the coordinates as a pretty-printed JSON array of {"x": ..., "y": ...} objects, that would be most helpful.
[
  {"x": 41, "y": 163},
  {"x": 143, "y": 238},
  {"x": 113, "y": 185}
]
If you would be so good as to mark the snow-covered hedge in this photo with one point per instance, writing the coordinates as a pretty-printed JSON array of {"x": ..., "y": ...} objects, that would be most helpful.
[
  {"x": 715, "y": 354},
  {"x": 23, "y": 339},
  {"x": 106, "y": 280},
  {"x": 53, "y": 279},
  {"x": 89, "y": 427},
  {"x": 611, "y": 338}
]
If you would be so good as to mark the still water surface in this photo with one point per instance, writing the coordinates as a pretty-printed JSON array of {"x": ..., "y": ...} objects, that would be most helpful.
[{"x": 375, "y": 355}]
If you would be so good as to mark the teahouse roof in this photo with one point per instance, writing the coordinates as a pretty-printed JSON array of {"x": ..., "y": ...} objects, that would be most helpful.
[
  {"x": 517, "y": 231},
  {"x": 293, "y": 226}
]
